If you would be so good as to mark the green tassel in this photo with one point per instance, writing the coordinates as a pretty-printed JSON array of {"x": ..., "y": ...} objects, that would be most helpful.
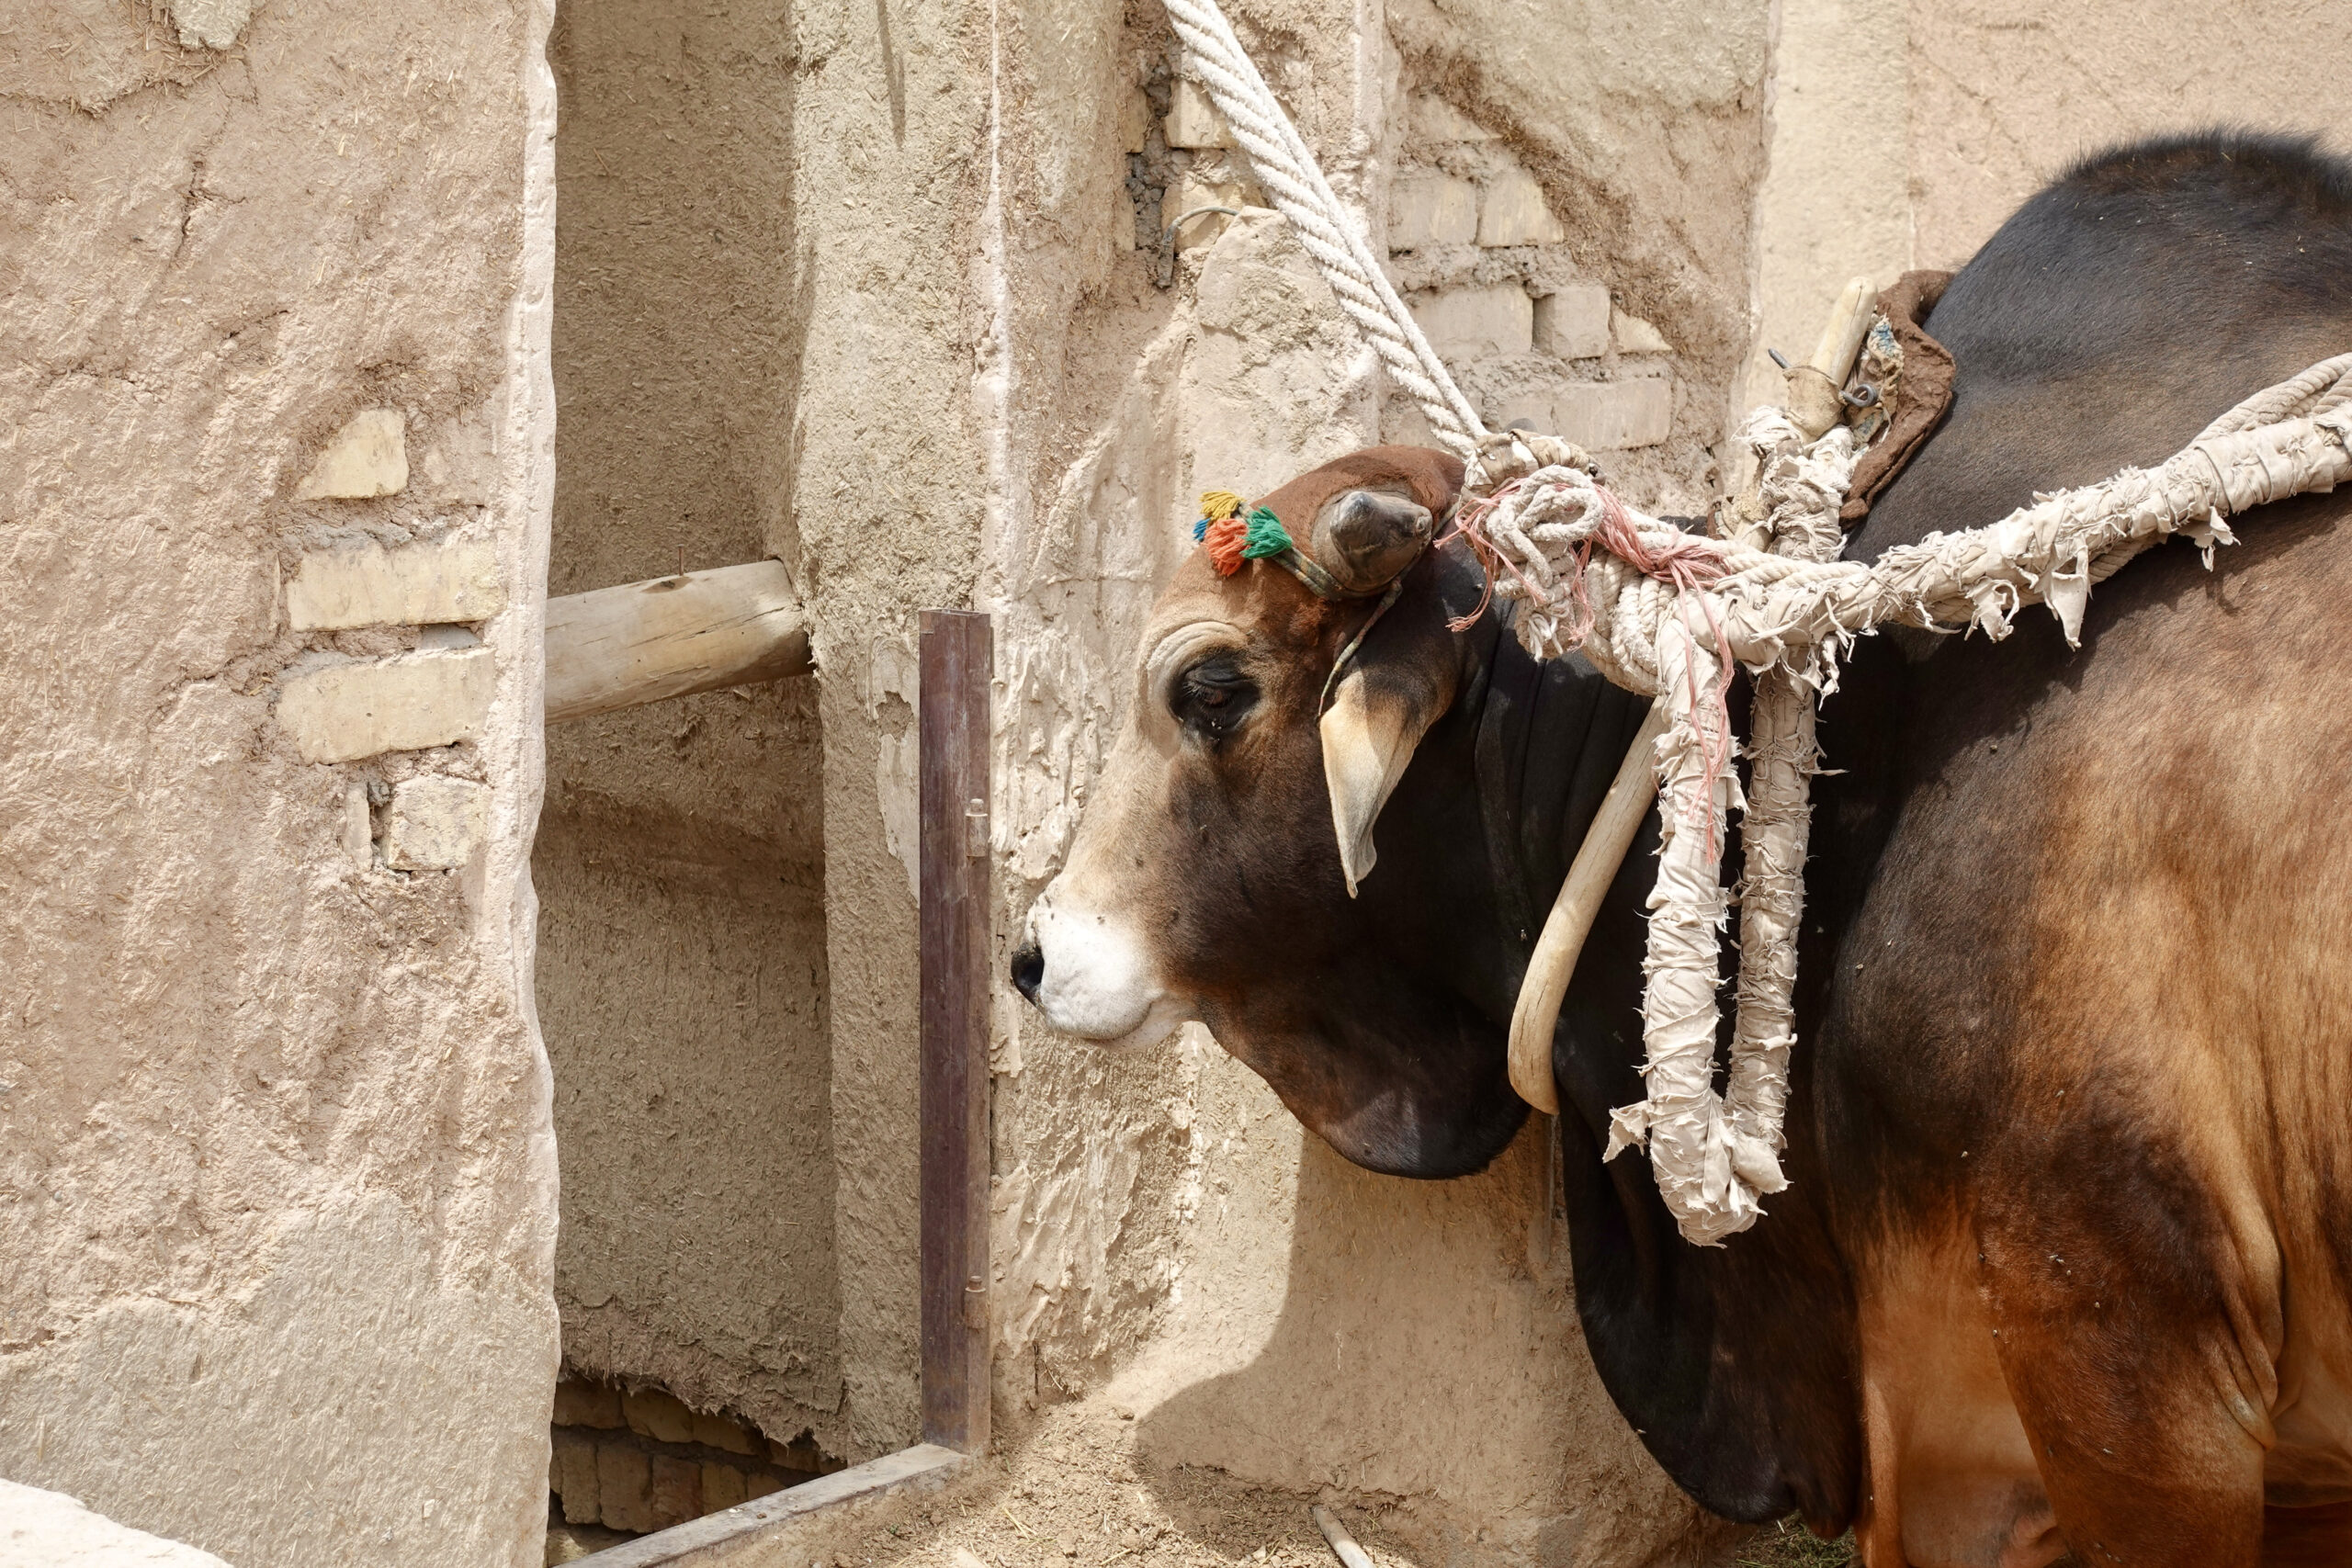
[{"x": 1266, "y": 537}]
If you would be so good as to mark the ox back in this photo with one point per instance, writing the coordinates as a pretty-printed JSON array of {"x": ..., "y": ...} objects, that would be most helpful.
[{"x": 2064, "y": 1259}]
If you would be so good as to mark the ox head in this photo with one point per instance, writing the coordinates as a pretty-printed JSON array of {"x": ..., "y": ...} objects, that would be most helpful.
[{"x": 1220, "y": 872}]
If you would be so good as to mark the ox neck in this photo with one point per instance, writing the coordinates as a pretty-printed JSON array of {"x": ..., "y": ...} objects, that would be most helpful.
[
  {"x": 1539, "y": 743},
  {"x": 1508, "y": 783}
]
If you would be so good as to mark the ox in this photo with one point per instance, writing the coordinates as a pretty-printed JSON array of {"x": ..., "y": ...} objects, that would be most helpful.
[{"x": 2064, "y": 1262}]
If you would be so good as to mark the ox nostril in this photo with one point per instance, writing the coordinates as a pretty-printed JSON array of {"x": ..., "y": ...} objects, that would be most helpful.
[{"x": 1029, "y": 970}]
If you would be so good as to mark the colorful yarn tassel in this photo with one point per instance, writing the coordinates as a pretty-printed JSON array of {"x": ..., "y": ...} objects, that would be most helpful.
[
  {"x": 1226, "y": 538},
  {"x": 1267, "y": 536},
  {"x": 1232, "y": 536}
]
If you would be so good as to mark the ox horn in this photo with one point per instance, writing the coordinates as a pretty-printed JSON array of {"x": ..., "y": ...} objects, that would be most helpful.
[
  {"x": 1605, "y": 844},
  {"x": 1363, "y": 539}
]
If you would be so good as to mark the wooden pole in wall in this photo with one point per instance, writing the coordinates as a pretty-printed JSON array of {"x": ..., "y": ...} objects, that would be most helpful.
[
  {"x": 672, "y": 636},
  {"x": 953, "y": 730}
]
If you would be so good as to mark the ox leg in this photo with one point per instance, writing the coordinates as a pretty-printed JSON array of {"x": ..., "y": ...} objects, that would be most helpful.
[
  {"x": 2135, "y": 1390},
  {"x": 2307, "y": 1538},
  {"x": 2143, "y": 1465}
]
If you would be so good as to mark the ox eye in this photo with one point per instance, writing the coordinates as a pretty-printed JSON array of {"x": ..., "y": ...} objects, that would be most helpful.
[{"x": 1212, "y": 697}]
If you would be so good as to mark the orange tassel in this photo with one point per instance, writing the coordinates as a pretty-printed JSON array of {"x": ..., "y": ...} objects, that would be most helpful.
[{"x": 1225, "y": 539}]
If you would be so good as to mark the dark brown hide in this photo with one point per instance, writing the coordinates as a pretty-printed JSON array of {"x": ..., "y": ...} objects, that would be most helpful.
[{"x": 2082, "y": 1032}]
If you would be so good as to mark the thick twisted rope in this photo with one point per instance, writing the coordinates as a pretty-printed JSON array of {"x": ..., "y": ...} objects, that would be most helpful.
[
  {"x": 1296, "y": 184},
  {"x": 1716, "y": 1156},
  {"x": 1802, "y": 487},
  {"x": 1653, "y": 621}
]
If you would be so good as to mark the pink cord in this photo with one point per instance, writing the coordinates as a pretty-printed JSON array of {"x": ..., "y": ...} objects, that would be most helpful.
[{"x": 1687, "y": 563}]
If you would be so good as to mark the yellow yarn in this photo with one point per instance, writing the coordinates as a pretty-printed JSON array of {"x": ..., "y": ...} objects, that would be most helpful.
[{"x": 1217, "y": 506}]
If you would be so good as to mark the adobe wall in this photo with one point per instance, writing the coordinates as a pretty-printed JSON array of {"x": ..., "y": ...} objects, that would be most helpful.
[
  {"x": 2004, "y": 96},
  {"x": 277, "y": 1182},
  {"x": 277, "y": 1133},
  {"x": 1902, "y": 138}
]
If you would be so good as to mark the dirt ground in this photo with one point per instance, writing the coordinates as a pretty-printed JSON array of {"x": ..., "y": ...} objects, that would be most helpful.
[
  {"x": 1074, "y": 1492},
  {"x": 1792, "y": 1546},
  {"x": 1078, "y": 1494}
]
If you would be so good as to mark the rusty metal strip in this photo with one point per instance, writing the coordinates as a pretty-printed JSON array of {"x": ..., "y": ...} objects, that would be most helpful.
[{"x": 953, "y": 726}]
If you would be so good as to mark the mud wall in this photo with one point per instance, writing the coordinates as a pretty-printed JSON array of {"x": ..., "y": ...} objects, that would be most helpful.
[
  {"x": 277, "y": 1182},
  {"x": 1903, "y": 137},
  {"x": 876, "y": 289}
]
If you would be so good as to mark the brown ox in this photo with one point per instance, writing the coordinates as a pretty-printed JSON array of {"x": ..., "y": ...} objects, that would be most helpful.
[{"x": 2064, "y": 1262}]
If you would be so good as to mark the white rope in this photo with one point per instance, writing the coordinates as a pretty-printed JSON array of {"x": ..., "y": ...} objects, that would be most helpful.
[
  {"x": 1327, "y": 230},
  {"x": 1716, "y": 1156},
  {"x": 1595, "y": 575},
  {"x": 1801, "y": 489}
]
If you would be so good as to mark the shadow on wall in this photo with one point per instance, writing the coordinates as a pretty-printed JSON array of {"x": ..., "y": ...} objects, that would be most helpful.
[{"x": 1417, "y": 1347}]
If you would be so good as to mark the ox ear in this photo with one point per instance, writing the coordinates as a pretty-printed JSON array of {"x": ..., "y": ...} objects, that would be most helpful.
[{"x": 1378, "y": 714}]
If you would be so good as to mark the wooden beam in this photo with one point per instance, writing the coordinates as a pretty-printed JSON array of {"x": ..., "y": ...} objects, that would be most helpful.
[
  {"x": 643, "y": 642},
  {"x": 797, "y": 1524},
  {"x": 951, "y": 722}
]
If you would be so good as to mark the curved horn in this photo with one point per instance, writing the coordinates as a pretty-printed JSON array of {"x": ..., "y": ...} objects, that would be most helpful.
[
  {"x": 1365, "y": 538},
  {"x": 1537, "y": 1011}
]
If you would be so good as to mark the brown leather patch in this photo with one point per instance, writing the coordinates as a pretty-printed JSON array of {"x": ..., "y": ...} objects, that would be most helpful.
[
  {"x": 1433, "y": 476},
  {"x": 1922, "y": 397}
]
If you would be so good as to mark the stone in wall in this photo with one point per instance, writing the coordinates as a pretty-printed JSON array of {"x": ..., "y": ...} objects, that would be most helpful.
[
  {"x": 1634, "y": 335},
  {"x": 624, "y": 1488},
  {"x": 434, "y": 823},
  {"x": 1573, "y": 323},
  {"x": 723, "y": 1487},
  {"x": 352, "y": 709},
  {"x": 1427, "y": 208},
  {"x": 1606, "y": 416},
  {"x": 653, "y": 1414},
  {"x": 1523, "y": 408},
  {"x": 1511, "y": 212},
  {"x": 211, "y": 24},
  {"x": 365, "y": 460},
  {"x": 674, "y": 1492},
  {"x": 579, "y": 1402},
  {"x": 359, "y": 827},
  {"x": 718, "y": 1432},
  {"x": 1438, "y": 122},
  {"x": 1193, "y": 119},
  {"x": 572, "y": 1477},
  {"x": 1134, "y": 121},
  {"x": 1477, "y": 322},
  {"x": 1208, "y": 185},
  {"x": 460, "y": 462},
  {"x": 417, "y": 585}
]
